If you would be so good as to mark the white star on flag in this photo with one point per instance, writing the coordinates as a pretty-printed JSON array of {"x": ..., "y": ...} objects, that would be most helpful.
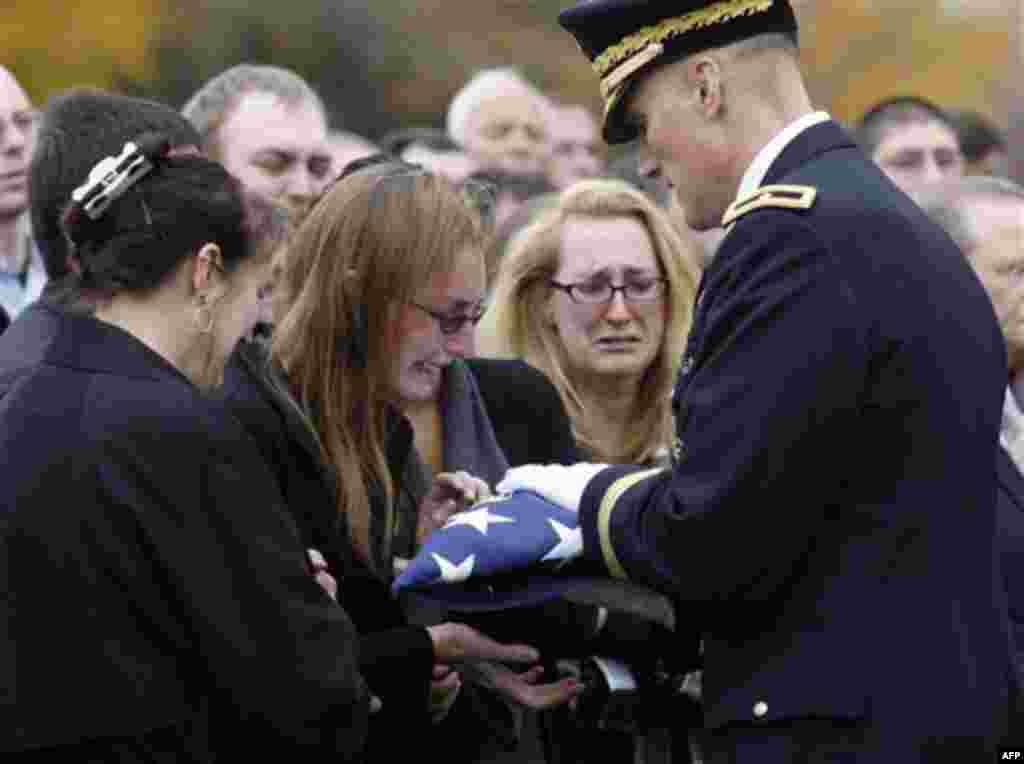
[
  {"x": 477, "y": 518},
  {"x": 454, "y": 574},
  {"x": 570, "y": 542}
]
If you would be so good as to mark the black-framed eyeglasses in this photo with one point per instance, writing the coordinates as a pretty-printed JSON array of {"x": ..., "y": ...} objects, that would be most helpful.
[
  {"x": 597, "y": 292},
  {"x": 452, "y": 323}
]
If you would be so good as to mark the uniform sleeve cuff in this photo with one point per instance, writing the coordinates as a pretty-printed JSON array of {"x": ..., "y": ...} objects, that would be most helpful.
[{"x": 595, "y": 514}]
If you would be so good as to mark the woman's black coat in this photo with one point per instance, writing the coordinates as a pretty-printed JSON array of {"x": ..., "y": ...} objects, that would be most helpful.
[
  {"x": 395, "y": 657},
  {"x": 157, "y": 602}
]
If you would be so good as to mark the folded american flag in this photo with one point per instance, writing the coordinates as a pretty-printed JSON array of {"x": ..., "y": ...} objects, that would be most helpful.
[{"x": 504, "y": 552}]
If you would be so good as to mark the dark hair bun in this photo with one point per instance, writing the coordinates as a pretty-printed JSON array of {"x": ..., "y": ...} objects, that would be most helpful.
[{"x": 140, "y": 213}]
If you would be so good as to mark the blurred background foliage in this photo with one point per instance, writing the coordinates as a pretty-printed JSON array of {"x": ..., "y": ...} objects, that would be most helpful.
[{"x": 381, "y": 64}]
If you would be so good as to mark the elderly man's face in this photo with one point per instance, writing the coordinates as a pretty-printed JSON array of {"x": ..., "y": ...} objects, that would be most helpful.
[
  {"x": 276, "y": 149},
  {"x": 576, "y": 147},
  {"x": 507, "y": 132},
  {"x": 17, "y": 133},
  {"x": 919, "y": 154},
  {"x": 998, "y": 224}
]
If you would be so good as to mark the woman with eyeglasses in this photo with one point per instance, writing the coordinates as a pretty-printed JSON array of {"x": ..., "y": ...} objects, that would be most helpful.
[
  {"x": 379, "y": 430},
  {"x": 598, "y": 294}
]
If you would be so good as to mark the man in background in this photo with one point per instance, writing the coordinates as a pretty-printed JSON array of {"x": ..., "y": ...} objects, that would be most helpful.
[
  {"x": 21, "y": 272},
  {"x": 913, "y": 141},
  {"x": 577, "y": 151},
  {"x": 498, "y": 118},
  {"x": 985, "y": 217},
  {"x": 268, "y": 127},
  {"x": 982, "y": 143}
]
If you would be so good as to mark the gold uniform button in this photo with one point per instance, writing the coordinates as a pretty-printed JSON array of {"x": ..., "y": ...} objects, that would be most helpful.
[{"x": 760, "y": 709}]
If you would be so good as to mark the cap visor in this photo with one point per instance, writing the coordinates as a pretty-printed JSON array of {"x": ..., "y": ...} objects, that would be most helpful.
[{"x": 615, "y": 129}]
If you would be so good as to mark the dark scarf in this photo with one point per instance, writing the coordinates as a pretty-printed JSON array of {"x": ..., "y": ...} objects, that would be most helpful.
[
  {"x": 469, "y": 440},
  {"x": 469, "y": 444}
]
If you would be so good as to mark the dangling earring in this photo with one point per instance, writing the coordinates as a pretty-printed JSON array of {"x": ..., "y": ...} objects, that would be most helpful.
[{"x": 204, "y": 324}]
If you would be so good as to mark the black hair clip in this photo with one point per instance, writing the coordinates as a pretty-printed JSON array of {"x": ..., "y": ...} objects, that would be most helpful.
[{"x": 110, "y": 178}]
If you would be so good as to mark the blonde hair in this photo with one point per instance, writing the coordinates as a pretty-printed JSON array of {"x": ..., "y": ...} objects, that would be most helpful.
[
  {"x": 368, "y": 246},
  {"x": 518, "y": 322}
]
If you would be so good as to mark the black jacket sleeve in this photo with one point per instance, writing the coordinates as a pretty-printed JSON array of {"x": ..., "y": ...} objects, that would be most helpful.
[{"x": 281, "y": 652}]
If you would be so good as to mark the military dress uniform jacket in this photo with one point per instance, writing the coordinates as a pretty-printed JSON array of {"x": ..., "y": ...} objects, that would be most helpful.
[
  {"x": 830, "y": 513},
  {"x": 157, "y": 601}
]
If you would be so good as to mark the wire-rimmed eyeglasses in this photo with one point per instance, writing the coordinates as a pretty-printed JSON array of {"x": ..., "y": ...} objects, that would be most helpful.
[
  {"x": 597, "y": 292},
  {"x": 452, "y": 323}
]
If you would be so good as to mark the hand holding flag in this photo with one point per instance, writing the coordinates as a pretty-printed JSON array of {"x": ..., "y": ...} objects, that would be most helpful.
[
  {"x": 450, "y": 492},
  {"x": 558, "y": 484}
]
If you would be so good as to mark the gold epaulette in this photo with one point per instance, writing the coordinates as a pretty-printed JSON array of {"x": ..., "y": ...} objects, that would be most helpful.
[{"x": 786, "y": 197}]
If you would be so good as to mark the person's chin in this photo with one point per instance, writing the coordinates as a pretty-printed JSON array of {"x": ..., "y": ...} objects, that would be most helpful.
[
  {"x": 626, "y": 362},
  {"x": 421, "y": 391},
  {"x": 522, "y": 167}
]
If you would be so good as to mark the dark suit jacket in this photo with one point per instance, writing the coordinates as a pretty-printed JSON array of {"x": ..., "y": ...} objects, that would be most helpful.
[
  {"x": 1011, "y": 544},
  {"x": 830, "y": 522},
  {"x": 154, "y": 584}
]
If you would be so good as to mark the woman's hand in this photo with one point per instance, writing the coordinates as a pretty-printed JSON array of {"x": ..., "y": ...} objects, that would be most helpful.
[
  {"x": 322, "y": 574},
  {"x": 451, "y": 492},
  {"x": 456, "y": 643},
  {"x": 525, "y": 688}
]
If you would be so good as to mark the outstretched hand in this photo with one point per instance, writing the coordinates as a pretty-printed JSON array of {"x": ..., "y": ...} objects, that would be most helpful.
[
  {"x": 525, "y": 688},
  {"x": 456, "y": 643},
  {"x": 451, "y": 492}
]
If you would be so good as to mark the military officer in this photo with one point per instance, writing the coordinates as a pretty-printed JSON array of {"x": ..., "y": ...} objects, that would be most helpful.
[{"x": 829, "y": 516}]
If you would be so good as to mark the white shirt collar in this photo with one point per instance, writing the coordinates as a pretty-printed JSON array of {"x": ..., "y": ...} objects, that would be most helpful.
[
  {"x": 1013, "y": 420},
  {"x": 754, "y": 176},
  {"x": 1012, "y": 429}
]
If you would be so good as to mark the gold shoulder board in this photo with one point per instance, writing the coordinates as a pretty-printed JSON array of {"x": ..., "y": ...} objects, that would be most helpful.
[{"x": 787, "y": 197}]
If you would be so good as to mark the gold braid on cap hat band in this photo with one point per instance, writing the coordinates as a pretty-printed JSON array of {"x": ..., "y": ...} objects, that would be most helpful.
[{"x": 635, "y": 46}]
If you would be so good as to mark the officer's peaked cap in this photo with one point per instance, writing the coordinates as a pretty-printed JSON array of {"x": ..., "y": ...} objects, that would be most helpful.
[{"x": 626, "y": 38}]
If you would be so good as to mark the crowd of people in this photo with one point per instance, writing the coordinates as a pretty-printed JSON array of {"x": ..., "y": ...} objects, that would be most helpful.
[{"x": 250, "y": 361}]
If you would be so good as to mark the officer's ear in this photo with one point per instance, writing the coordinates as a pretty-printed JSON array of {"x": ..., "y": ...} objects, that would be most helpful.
[{"x": 704, "y": 74}]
